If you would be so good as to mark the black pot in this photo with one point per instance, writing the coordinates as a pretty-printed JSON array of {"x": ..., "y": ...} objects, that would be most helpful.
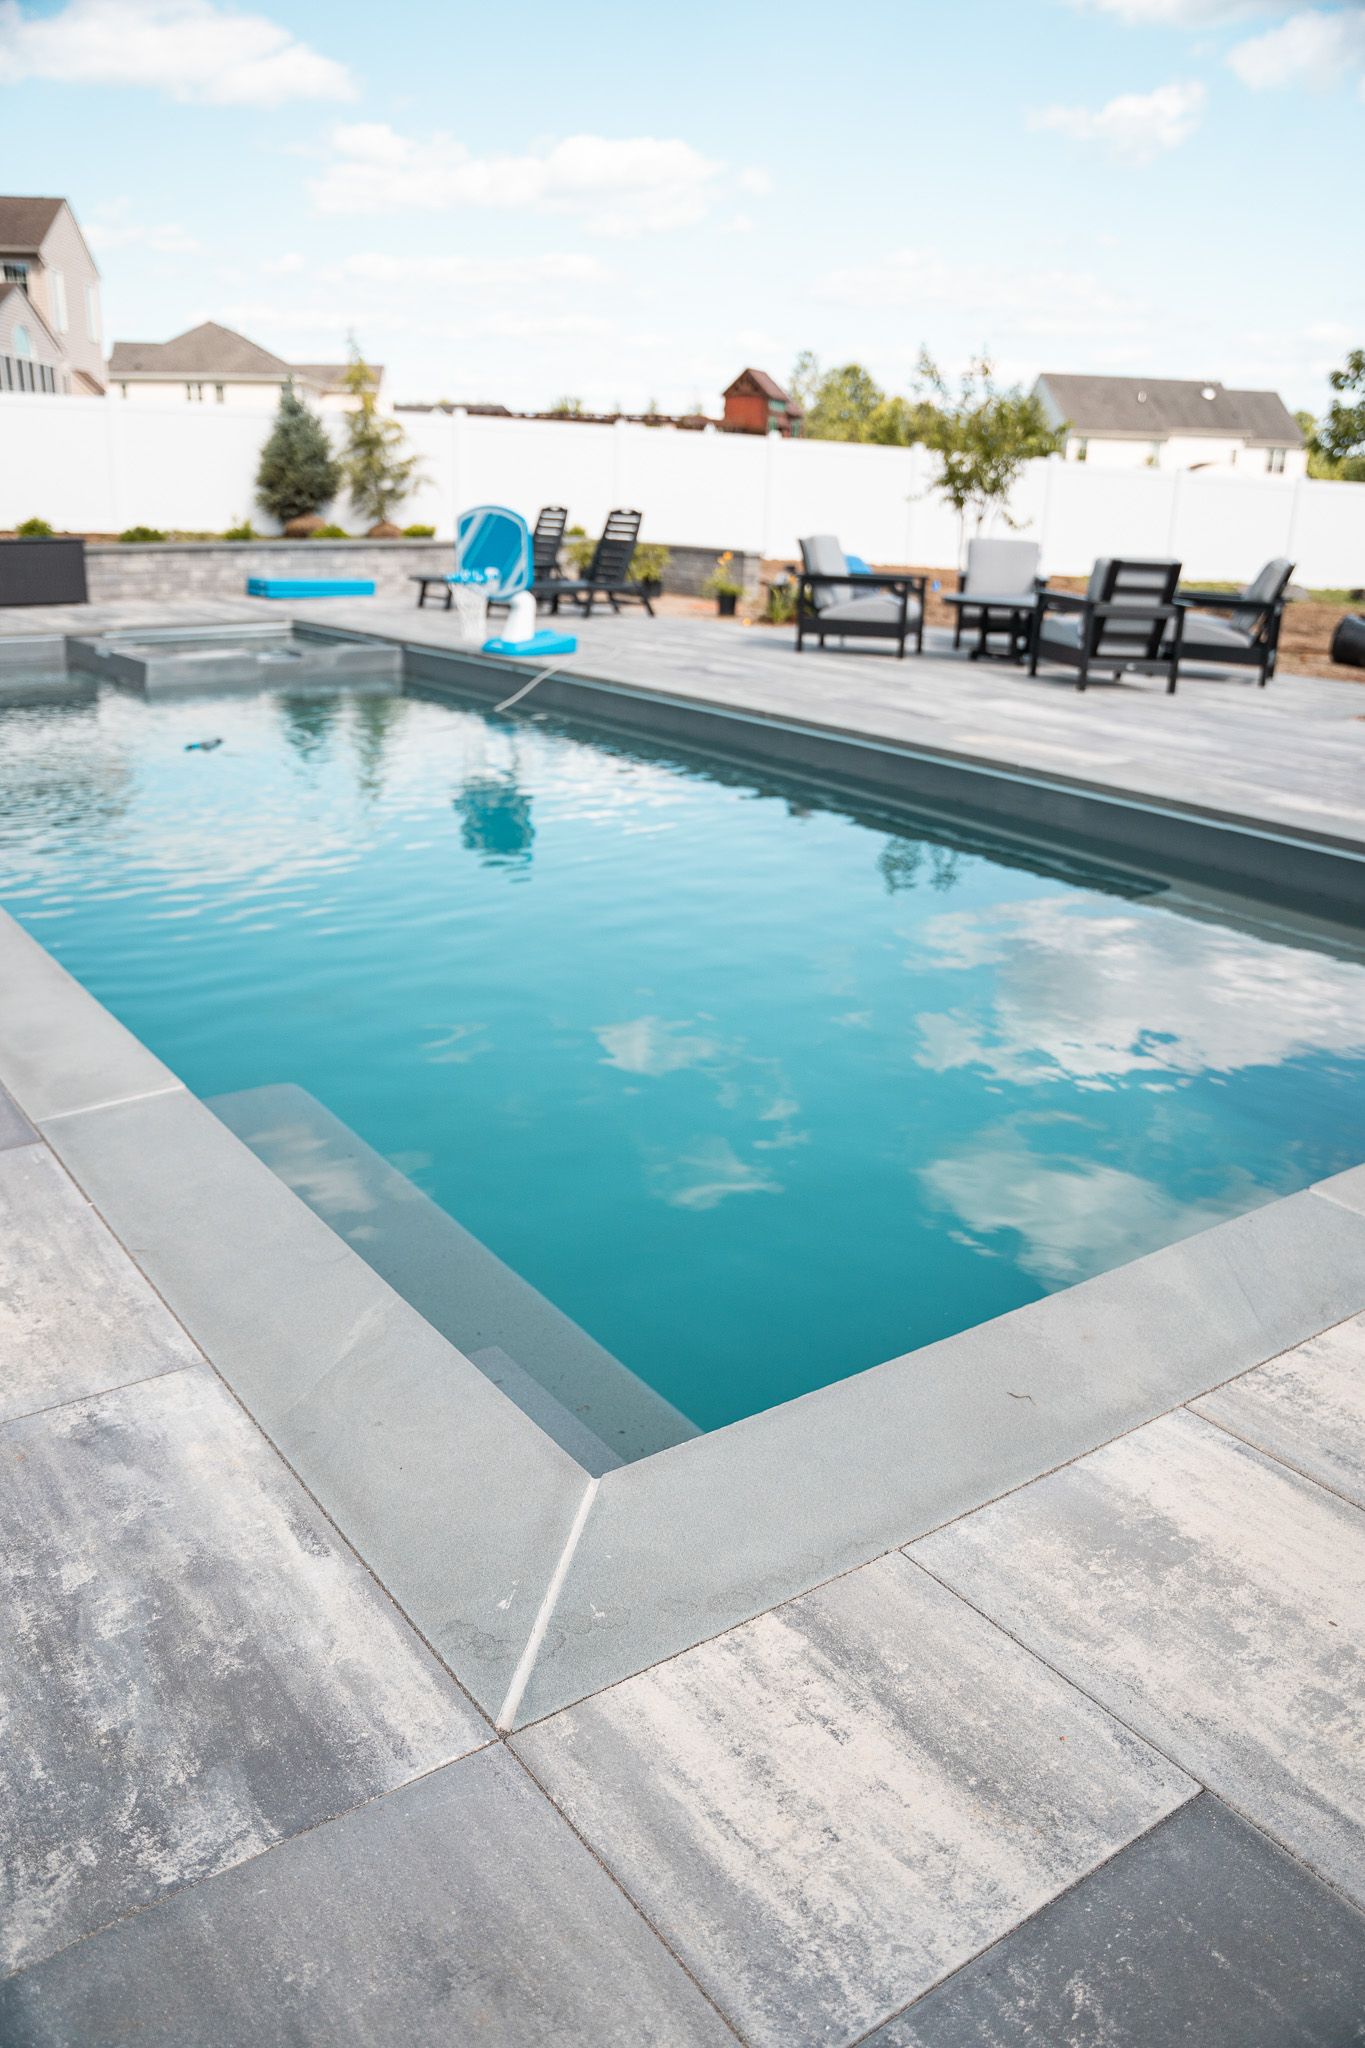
[
  {"x": 652, "y": 586},
  {"x": 726, "y": 600},
  {"x": 1348, "y": 642}
]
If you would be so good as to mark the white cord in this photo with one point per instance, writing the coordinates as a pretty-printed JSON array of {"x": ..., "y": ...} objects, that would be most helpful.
[{"x": 527, "y": 688}]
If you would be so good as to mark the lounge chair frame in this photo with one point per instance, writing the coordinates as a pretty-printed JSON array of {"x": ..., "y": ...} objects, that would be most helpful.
[
  {"x": 608, "y": 576},
  {"x": 1261, "y": 616},
  {"x": 1124, "y": 621},
  {"x": 809, "y": 619}
]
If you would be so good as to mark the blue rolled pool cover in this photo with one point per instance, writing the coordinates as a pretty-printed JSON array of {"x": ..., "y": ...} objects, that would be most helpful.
[{"x": 305, "y": 586}]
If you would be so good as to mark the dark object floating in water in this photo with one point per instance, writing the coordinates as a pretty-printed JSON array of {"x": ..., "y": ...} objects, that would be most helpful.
[{"x": 201, "y": 746}]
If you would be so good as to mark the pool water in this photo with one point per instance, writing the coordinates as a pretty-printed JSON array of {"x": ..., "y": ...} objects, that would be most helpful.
[{"x": 759, "y": 1091}]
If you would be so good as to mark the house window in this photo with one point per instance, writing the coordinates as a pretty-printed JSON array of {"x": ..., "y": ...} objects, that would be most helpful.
[
  {"x": 14, "y": 272},
  {"x": 59, "y": 301},
  {"x": 219, "y": 393},
  {"x": 92, "y": 311},
  {"x": 124, "y": 389},
  {"x": 1274, "y": 461},
  {"x": 23, "y": 342},
  {"x": 195, "y": 393}
]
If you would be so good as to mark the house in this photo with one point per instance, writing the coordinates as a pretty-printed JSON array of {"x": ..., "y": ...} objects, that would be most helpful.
[
  {"x": 214, "y": 365},
  {"x": 49, "y": 301},
  {"x": 1169, "y": 423},
  {"x": 756, "y": 404}
]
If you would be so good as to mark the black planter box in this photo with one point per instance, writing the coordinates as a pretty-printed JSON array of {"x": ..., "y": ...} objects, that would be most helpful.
[{"x": 42, "y": 572}]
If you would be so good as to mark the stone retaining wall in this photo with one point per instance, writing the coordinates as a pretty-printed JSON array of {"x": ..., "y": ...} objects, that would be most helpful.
[{"x": 180, "y": 569}]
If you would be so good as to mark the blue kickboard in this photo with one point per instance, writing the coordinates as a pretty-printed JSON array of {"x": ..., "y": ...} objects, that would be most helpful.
[
  {"x": 304, "y": 586},
  {"x": 538, "y": 644}
]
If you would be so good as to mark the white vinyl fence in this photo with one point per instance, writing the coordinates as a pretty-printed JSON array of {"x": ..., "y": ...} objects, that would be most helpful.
[{"x": 99, "y": 465}]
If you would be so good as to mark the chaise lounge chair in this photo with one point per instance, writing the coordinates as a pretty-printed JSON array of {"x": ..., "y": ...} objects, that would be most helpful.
[
  {"x": 996, "y": 571},
  {"x": 832, "y": 599},
  {"x": 1251, "y": 637},
  {"x": 1127, "y": 619},
  {"x": 546, "y": 540},
  {"x": 609, "y": 573}
]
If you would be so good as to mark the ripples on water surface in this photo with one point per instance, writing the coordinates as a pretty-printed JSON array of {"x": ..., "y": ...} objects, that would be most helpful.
[{"x": 758, "y": 1092}]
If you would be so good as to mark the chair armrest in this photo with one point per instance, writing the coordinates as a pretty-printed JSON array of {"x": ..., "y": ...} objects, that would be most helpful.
[
  {"x": 1220, "y": 601},
  {"x": 1062, "y": 600},
  {"x": 1137, "y": 611}
]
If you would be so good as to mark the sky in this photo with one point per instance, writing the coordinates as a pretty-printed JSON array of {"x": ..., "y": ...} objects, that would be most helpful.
[{"x": 627, "y": 207}]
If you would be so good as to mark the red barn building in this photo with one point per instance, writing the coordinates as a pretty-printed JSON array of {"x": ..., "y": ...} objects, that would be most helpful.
[{"x": 755, "y": 404}]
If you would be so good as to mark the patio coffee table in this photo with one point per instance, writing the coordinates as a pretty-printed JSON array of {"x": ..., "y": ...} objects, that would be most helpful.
[{"x": 1011, "y": 614}]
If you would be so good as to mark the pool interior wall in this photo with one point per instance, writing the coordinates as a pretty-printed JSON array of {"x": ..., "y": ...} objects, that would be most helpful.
[{"x": 1130, "y": 1067}]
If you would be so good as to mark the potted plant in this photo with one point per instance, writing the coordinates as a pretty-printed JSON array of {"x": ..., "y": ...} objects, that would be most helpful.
[
  {"x": 721, "y": 585},
  {"x": 647, "y": 567}
]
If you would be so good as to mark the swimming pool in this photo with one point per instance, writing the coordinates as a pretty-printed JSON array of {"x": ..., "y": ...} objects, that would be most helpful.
[{"x": 760, "y": 1086}]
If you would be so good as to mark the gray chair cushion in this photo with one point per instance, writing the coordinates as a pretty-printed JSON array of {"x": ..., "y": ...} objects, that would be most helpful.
[
  {"x": 1001, "y": 568},
  {"x": 1218, "y": 635},
  {"x": 823, "y": 556},
  {"x": 1095, "y": 587},
  {"x": 882, "y": 608},
  {"x": 1060, "y": 631}
]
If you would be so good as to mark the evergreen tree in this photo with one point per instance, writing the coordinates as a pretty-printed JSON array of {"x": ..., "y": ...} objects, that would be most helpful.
[
  {"x": 377, "y": 474},
  {"x": 298, "y": 470}
]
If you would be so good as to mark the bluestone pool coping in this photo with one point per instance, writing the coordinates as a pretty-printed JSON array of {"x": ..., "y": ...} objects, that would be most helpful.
[{"x": 536, "y": 1584}]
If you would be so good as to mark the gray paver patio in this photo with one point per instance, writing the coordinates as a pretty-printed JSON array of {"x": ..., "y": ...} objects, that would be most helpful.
[
  {"x": 459, "y": 1910},
  {"x": 1306, "y": 1407},
  {"x": 1203, "y": 1932},
  {"x": 15, "y": 1128},
  {"x": 828, "y": 1808},
  {"x": 76, "y": 1316},
  {"x": 1213, "y": 1600},
  {"x": 193, "y": 1667},
  {"x": 1292, "y": 753}
]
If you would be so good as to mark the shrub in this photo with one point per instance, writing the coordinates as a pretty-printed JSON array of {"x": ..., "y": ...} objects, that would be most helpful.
[
  {"x": 34, "y": 529},
  {"x": 580, "y": 548},
  {"x": 141, "y": 533},
  {"x": 243, "y": 531},
  {"x": 648, "y": 563},
  {"x": 780, "y": 609},
  {"x": 419, "y": 533},
  {"x": 329, "y": 533},
  {"x": 298, "y": 471}
]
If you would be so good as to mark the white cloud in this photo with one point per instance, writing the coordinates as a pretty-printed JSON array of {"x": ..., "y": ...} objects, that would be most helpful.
[
  {"x": 114, "y": 227},
  {"x": 376, "y": 266},
  {"x": 1092, "y": 998},
  {"x": 1314, "y": 48},
  {"x": 188, "y": 49},
  {"x": 1046, "y": 301},
  {"x": 1075, "y": 1216},
  {"x": 1136, "y": 126},
  {"x": 649, "y": 1045},
  {"x": 619, "y": 187},
  {"x": 1174, "y": 13},
  {"x": 710, "y": 1174}
]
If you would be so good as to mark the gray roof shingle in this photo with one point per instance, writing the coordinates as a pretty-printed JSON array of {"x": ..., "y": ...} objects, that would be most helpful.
[
  {"x": 1156, "y": 406},
  {"x": 205, "y": 351},
  {"x": 24, "y": 222}
]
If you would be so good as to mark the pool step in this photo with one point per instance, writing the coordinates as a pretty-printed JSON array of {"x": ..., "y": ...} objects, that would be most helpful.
[{"x": 559, "y": 1375}]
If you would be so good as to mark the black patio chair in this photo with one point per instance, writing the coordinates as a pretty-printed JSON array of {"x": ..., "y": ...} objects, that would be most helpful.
[
  {"x": 1251, "y": 637},
  {"x": 608, "y": 574},
  {"x": 1127, "y": 619},
  {"x": 546, "y": 540},
  {"x": 852, "y": 604}
]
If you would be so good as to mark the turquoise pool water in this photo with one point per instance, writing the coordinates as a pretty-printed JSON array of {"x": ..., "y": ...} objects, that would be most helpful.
[{"x": 759, "y": 1091}]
